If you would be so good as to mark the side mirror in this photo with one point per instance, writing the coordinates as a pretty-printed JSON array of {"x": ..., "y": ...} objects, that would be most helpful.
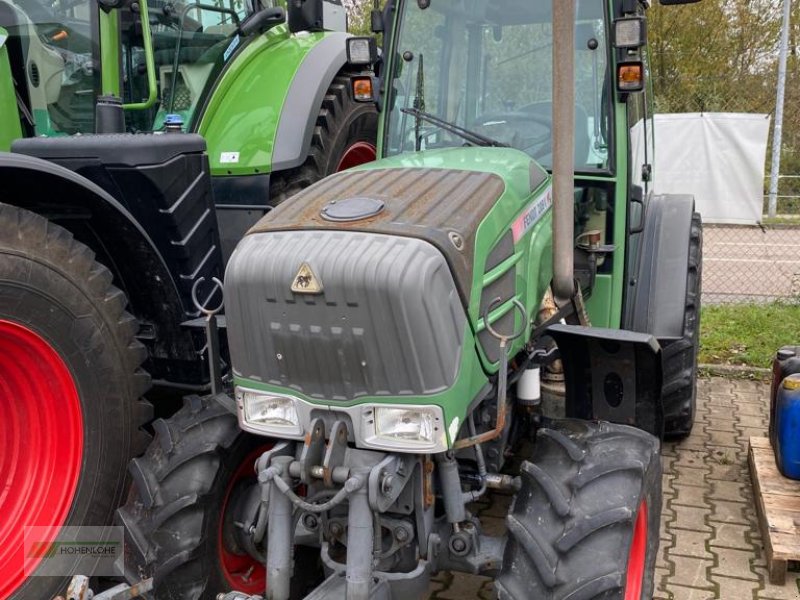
[
  {"x": 262, "y": 21},
  {"x": 361, "y": 51}
]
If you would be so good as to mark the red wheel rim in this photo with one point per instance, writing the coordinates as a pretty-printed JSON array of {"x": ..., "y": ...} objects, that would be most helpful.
[
  {"x": 357, "y": 154},
  {"x": 242, "y": 572},
  {"x": 637, "y": 557},
  {"x": 41, "y": 448}
]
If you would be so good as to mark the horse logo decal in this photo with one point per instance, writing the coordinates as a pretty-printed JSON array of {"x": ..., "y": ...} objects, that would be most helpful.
[{"x": 305, "y": 282}]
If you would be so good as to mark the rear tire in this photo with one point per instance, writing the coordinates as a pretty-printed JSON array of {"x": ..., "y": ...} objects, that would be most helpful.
[
  {"x": 342, "y": 126},
  {"x": 54, "y": 294},
  {"x": 585, "y": 523},
  {"x": 679, "y": 392}
]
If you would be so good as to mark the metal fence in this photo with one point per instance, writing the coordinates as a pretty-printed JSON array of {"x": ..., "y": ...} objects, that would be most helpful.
[{"x": 755, "y": 264}]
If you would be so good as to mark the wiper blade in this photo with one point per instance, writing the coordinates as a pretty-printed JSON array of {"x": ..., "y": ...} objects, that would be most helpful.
[{"x": 471, "y": 136}]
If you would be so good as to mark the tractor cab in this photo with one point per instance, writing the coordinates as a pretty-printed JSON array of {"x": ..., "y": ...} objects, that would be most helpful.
[{"x": 487, "y": 68}]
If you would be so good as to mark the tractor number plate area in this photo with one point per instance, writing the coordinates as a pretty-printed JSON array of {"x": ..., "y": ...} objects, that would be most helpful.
[{"x": 611, "y": 375}]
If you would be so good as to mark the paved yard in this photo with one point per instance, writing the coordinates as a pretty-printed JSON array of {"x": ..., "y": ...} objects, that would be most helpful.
[{"x": 710, "y": 542}]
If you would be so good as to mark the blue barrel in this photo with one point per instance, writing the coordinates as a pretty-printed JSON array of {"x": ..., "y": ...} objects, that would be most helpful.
[
  {"x": 787, "y": 362},
  {"x": 787, "y": 427}
]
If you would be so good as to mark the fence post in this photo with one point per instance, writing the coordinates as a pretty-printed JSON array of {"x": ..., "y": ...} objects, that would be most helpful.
[{"x": 777, "y": 136}]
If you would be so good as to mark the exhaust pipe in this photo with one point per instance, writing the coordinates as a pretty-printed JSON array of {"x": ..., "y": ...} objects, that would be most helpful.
[{"x": 563, "y": 149}]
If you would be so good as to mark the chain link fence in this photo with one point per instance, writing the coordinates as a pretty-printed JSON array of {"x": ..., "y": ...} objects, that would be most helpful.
[
  {"x": 755, "y": 264},
  {"x": 747, "y": 264}
]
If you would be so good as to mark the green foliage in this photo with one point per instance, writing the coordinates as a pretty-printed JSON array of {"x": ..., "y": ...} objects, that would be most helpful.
[
  {"x": 722, "y": 56},
  {"x": 747, "y": 335},
  {"x": 358, "y": 16}
]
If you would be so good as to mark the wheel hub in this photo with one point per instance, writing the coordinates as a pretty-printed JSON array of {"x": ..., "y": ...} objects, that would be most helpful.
[
  {"x": 241, "y": 559},
  {"x": 41, "y": 448}
]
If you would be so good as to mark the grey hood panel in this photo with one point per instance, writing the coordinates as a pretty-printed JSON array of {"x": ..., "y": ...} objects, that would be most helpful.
[{"x": 389, "y": 321}]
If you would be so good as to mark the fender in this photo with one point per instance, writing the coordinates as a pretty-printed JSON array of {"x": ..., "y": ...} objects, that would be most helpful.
[
  {"x": 260, "y": 117},
  {"x": 98, "y": 220},
  {"x": 301, "y": 109},
  {"x": 656, "y": 299}
]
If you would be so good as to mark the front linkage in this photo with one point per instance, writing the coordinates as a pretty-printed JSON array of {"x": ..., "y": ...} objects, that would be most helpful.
[{"x": 366, "y": 507}]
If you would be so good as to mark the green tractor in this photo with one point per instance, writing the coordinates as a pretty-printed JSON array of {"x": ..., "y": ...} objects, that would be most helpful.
[
  {"x": 389, "y": 329},
  {"x": 145, "y": 138}
]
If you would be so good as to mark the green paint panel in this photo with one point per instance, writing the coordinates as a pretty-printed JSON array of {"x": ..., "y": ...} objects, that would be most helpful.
[
  {"x": 245, "y": 108},
  {"x": 109, "y": 52},
  {"x": 10, "y": 128}
]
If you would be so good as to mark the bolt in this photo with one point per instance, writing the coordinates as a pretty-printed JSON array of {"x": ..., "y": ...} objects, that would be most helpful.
[
  {"x": 336, "y": 529},
  {"x": 458, "y": 544},
  {"x": 387, "y": 485},
  {"x": 310, "y": 521},
  {"x": 401, "y": 534}
]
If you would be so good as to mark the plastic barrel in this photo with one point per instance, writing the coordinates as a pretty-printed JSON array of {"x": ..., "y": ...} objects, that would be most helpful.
[
  {"x": 786, "y": 362},
  {"x": 787, "y": 427}
]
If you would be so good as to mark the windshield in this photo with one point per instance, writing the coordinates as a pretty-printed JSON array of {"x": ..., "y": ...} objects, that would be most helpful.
[{"x": 486, "y": 66}]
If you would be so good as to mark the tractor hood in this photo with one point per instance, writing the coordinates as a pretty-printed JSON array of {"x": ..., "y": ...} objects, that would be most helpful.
[{"x": 368, "y": 284}]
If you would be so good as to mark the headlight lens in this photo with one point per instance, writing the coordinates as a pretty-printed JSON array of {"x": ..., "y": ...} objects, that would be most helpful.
[
  {"x": 270, "y": 413},
  {"x": 406, "y": 424}
]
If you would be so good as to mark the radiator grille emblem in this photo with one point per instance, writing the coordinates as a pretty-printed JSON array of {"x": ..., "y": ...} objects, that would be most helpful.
[{"x": 305, "y": 282}]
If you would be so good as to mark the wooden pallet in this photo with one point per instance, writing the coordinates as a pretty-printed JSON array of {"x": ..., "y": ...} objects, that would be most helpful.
[{"x": 778, "y": 503}]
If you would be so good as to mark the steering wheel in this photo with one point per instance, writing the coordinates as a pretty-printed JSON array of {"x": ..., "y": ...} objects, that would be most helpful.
[{"x": 537, "y": 146}]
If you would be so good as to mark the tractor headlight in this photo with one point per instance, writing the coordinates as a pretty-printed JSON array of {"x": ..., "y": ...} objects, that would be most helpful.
[
  {"x": 404, "y": 424},
  {"x": 268, "y": 413},
  {"x": 411, "y": 428}
]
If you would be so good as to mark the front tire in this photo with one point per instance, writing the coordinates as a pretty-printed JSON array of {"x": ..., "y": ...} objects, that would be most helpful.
[
  {"x": 70, "y": 392},
  {"x": 181, "y": 507},
  {"x": 584, "y": 525}
]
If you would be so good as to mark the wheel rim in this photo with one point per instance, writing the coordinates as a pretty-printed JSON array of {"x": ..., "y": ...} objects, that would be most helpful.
[
  {"x": 357, "y": 154},
  {"x": 637, "y": 557},
  {"x": 242, "y": 572},
  {"x": 41, "y": 448}
]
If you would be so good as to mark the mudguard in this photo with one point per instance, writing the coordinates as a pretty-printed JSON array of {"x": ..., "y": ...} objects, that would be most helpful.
[
  {"x": 656, "y": 298},
  {"x": 611, "y": 375},
  {"x": 98, "y": 220},
  {"x": 261, "y": 115}
]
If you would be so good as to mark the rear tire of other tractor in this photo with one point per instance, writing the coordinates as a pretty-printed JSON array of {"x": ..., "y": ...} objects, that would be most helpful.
[
  {"x": 585, "y": 523},
  {"x": 176, "y": 528},
  {"x": 679, "y": 395},
  {"x": 344, "y": 136},
  {"x": 70, "y": 392}
]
